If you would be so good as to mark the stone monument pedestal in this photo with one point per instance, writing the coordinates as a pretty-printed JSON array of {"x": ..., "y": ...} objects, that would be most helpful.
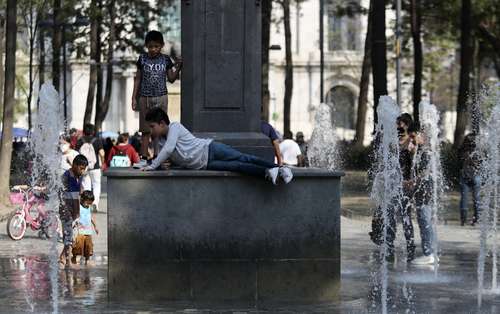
[
  {"x": 221, "y": 78},
  {"x": 214, "y": 236}
]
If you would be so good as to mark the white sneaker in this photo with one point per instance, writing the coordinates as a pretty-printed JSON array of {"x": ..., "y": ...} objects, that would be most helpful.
[
  {"x": 286, "y": 174},
  {"x": 425, "y": 260},
  {"x": 272, "y": 174},
  {"x": 141, "y": 164}
]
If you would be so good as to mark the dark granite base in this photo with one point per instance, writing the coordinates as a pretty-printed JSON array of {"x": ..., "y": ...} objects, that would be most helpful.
[
  {"x": 218, "y": 236},
  {"x": 243, "y": 281}
]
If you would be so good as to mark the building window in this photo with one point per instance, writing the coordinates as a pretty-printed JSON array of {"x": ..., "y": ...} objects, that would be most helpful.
[
  {"x": 334, "y": 30},
  {"x": 343, "y": 28},
  {"x": 352, "y": 33},
  {"x": 341, "y": 99}
]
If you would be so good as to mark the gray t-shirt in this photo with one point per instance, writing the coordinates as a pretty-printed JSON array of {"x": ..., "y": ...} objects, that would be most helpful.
[
  {"x": 153, "y": 74},
  {"x": 183, "y": 148}
]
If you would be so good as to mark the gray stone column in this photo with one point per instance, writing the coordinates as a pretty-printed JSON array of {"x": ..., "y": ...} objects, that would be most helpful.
[{"x": 221, "y": 80}]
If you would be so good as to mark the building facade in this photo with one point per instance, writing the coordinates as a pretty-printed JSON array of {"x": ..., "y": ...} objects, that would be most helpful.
[{"x": 344, "y": 38}]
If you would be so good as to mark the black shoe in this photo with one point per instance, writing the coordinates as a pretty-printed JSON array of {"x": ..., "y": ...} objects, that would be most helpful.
[
  {"x": 463, "y": 217},
  {"x": 474, "y": 221}
]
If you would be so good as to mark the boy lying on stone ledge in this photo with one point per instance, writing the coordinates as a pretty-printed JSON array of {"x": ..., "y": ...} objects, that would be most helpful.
[{"x": 185, "y": 150}]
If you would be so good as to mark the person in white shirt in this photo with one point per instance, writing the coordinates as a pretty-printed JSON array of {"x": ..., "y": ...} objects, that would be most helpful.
[
  {"x": 185, "y": 150},
  {"x": 68, "y": 154},
  {"x": 290, "y": 151}
]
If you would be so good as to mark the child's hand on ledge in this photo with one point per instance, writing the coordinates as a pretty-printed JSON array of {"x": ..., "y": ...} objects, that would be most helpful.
[
  {"x": 147, "y": 168},
  {"x": 166, "y": 165}
]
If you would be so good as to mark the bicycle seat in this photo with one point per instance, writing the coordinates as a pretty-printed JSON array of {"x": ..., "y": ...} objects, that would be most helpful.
[{"x": 22, "y": 187}]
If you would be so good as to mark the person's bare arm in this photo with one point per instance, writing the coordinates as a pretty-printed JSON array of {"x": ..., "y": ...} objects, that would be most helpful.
[
  {"x": 173, "y": 73},
  {"x": 137, "y": 82},
  {"x": 101, "y": 158},
  {"x": 94, "y": 224},
  {"x": 277, "y": 152},
  {"x": 166, "y": 150}
]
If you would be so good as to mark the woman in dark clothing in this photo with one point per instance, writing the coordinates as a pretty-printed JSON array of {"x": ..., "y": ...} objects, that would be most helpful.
[{"x": 469, "y": 177}]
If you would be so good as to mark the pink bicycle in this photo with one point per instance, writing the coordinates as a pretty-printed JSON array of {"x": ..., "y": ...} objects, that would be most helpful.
[{"x": 31, "y": 212}]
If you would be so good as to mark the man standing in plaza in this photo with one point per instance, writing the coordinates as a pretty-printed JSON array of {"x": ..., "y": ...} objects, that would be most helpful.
[{"x": 290, "y": 151}]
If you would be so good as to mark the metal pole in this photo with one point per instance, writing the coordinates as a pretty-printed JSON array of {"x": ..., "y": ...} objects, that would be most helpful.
[
  {"x": 321, "y": 49},
  {"x": 398, "y": 52},
  {"x": 64, "y": 75}
]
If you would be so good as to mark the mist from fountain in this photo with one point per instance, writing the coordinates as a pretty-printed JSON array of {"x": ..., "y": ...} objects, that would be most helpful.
[
  {"x": 46, "y": 169},
  {"x": 431, "y": 178},
  {"x": 322, "y": 150},
  {"x": 488, "y": 151},
  {"x": 387, "y": 189}
]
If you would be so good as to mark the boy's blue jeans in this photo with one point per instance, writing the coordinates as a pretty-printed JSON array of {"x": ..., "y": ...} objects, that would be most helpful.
[
  {"x": 465, "y": 186},
  {"x": 224, "y": 157},
  {"x": 424, "y": 218}
]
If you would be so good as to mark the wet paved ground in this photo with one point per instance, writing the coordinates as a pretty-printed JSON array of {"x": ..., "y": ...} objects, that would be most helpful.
[
  {"x": 452, "y": 288},
  {"x": 25, "y": 283}
]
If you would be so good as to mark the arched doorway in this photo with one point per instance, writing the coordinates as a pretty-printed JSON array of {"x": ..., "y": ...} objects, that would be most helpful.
[{"x": 342, "y": 100}]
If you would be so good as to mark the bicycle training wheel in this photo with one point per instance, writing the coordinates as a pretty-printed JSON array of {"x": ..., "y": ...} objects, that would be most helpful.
[{"x": 16, "y": 227}]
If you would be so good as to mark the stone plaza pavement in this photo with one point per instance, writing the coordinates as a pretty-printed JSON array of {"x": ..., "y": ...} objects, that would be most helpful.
[{"x": 25, "y": 278}]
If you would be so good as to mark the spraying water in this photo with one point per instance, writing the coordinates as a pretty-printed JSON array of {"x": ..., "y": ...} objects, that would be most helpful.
[
  {"x": 489, "y": 172},
  {"x": 387, "y": 190},
  {"x": 322, "y": 149},
  {"x": 46, "y": 171},
  {"x": 430, "y": 179}
]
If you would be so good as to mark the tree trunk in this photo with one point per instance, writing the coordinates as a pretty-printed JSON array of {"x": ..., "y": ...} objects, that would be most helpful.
[
  {"x": 8, "y": 108},
  {"x": 267, "y": 7},
  {"x": 41, "y": 61},
  {"x": 496, "y": 61},
  {"x": 364, "y": 83},
  {"x": 56, "y": 45},
  {"x": 416, "y": 31},
  {"x": 378, "y": 54},
  {"x": 102, "y": 110},
  {"x": 2, "y": 51},
  {"x": 490, "y": 38},
  {"x": 466, "y": 54},
  {"x": 94, "y": 25},
  {"x": 100, "y": 82},
  {"x": 288, "y": 68},
  {"x": 475, "y": 110},
  {"x": 32, "y": 38}
]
